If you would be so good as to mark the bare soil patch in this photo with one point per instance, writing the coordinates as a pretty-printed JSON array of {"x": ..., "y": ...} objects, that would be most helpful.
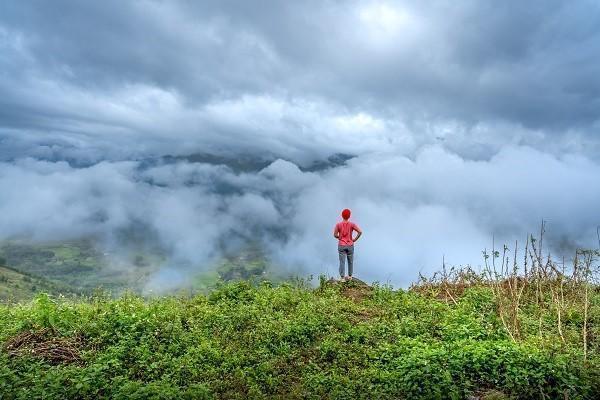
[{"x": 356, "y": 290}]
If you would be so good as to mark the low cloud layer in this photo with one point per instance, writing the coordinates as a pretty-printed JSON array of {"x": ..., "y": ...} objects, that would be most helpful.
[{"x": 413, "y": 211}]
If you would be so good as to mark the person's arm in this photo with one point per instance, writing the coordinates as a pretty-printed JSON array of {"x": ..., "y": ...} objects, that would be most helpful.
[
  {"x": 357, "y": 229},
  {"x": 336, "y": 232}
]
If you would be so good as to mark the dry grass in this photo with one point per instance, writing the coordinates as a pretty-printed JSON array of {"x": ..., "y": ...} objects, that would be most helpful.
[
  {"x": 552, "y": 286},
  {"x": 44, "y": 344}
]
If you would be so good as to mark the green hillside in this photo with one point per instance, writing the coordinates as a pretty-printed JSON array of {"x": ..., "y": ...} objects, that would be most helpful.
[
  {"x": 79, "y": 266},
  {"x": 439, "y": 340},
  {"x": 17, "y": 286}
]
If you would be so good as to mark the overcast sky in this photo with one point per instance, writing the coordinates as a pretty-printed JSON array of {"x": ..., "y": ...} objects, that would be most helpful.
[{"x": 467, "y": 119}]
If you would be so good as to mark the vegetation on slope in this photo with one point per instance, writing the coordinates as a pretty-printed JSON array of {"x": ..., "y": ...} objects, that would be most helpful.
[
  {"x": 81, "y": 267},
  {"x": 76, "y": 265},
  {"x": 339, "y": 341},
  {"x": 16, "y": 285}
]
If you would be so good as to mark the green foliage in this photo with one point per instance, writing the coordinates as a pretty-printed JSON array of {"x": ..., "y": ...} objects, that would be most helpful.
[
  {"x": 264, "y": 341},
  {"x": 16, "y": 285},
  {"x": 67, "y": 267},
  {"x": 79, "y": 267}
]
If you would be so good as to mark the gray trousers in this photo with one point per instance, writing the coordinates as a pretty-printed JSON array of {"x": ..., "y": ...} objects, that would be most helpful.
[{"x": 346, "y": 251}]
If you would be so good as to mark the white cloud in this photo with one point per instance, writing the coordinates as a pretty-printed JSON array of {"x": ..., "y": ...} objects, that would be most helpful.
[
  {"x": 413, "y": 211},
  {"x": 387, "y": 24}
]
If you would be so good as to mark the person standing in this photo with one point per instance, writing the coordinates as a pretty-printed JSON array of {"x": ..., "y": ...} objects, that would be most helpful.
[{"x": 343, "y": 232}]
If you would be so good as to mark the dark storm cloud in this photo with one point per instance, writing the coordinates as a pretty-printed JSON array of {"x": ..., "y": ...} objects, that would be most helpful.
[
  {"x": 103, "y": 45},
  {"x": 154, "y": 71}
]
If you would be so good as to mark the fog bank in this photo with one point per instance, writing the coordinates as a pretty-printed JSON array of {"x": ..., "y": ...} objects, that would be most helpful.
[{"x": 412, "y": 211}]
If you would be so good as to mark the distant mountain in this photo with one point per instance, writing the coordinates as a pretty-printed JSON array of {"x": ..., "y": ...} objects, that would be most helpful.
[
  {"x": 237, "y": 162},
  {"x": 334, "y": 160},
  {"x": 245, "y": 162}
]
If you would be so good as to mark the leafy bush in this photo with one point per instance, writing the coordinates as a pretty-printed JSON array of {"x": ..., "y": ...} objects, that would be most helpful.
[{"x": 259, "y": 341}]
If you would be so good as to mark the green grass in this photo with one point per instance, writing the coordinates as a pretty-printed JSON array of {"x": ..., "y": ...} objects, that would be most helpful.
[{"x": 259, "y": 341}]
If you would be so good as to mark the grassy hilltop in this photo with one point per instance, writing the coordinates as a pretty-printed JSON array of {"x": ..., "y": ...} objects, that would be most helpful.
[
  {"x": 508, "y": 332},
  {"x": 442, "y": 339}
]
